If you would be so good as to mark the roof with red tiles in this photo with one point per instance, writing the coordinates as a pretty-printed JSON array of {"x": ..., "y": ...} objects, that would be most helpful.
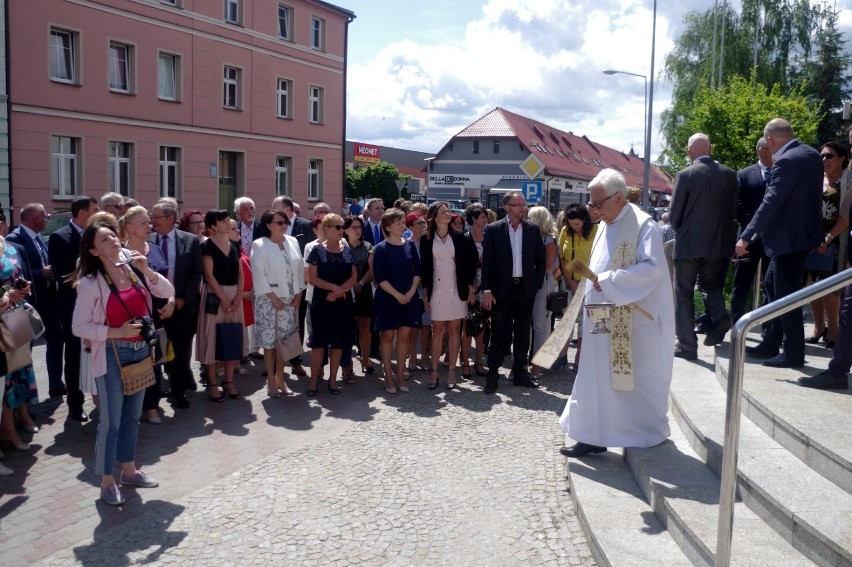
[{"x": 563, "y": 153}]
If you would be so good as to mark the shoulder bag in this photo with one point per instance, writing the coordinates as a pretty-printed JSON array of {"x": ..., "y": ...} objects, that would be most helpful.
[
  {"x": 137, "y": 376},
  {"x": 15, "y": 329}
]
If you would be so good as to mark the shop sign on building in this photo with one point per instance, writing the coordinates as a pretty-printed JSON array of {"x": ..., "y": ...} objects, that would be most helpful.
[{"x": 366, "y": 153}]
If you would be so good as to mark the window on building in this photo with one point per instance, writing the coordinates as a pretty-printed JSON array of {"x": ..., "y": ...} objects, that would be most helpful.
[
  {"x": 169, "y": 79},
  {"x": 120, "y": 60},
  {"x": 62, "y": 50},
  {"x": 314, "y": 179},
  {"x": 282, "y": 98},
  {"x": 119, "y": 167},
  {"x": 232, "y": 11},
  {"x": 496, "y": 146},
  {"x": 169, "y": 181},
  {"x": 282, "y": 175},
  {"x": 317, "y": 33},
  {"x": 231, "y": 88},
  {"x": 476, "y": 146},
  {"x": 64, "y": 166},
  {"x": 315, "y": 109},
  {"x": 285, "y": 21}
]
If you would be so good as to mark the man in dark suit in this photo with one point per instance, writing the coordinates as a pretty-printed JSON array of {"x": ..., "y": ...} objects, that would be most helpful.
[
  {"x": 43, "y": 298},
  {"x": 373, "y": 221},
  {"x": 789, "y": 221},
  {"x": 751, "y": 182},
  {"x": 702, "y": 212},
  {"x": 63, "y": 251},
  {"x": 512, "y": 273},
  {"x": 300, "y": 229},
  {"x": 183, "y": 256}
]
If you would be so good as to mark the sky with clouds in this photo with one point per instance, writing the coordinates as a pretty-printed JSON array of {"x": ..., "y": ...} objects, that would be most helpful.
[{"x": 419, "y": 72}]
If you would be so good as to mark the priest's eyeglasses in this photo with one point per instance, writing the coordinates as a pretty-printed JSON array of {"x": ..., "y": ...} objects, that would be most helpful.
[{"x": 598, "y": 205}]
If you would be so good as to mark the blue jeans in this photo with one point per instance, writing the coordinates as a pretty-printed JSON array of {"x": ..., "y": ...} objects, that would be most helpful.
[{"x": 118, "y": 428}]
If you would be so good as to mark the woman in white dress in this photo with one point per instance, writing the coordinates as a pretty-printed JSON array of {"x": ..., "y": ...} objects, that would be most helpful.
[
  {"x": 448, "y": 269},
  {"x": 278, "y": 283}
]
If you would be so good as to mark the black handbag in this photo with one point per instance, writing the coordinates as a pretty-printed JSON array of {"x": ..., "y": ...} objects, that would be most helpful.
[
  {"x": 557, "y": 301},
  {"x": 475, "y": 321},
  {"x": 211, "y": 304}
]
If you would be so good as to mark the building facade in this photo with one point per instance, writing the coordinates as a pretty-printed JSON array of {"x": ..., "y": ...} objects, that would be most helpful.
[
  {"x": 504, "y": 151},
  {"x": 201, "y": 100}
]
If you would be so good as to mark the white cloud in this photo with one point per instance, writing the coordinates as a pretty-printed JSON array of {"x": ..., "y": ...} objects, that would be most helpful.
[{"x": 540, "y": 58}]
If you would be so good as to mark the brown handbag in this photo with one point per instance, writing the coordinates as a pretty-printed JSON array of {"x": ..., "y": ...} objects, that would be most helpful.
[
  {"x": 289, "y": 348},
  {"x": 15, "y": 329},
  {"x": 136, "y": 376}
]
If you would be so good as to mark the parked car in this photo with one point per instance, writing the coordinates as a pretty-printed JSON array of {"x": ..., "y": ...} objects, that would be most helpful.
[{"x": 55, "y": 221}]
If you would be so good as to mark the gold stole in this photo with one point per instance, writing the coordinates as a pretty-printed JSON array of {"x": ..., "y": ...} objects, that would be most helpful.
[{"x": 620, "y": 339}]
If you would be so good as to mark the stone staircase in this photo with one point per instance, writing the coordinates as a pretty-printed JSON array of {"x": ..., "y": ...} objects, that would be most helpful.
[{"x": 660, "y": 506}]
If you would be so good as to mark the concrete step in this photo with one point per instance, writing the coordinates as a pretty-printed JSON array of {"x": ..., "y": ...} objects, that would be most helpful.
[
  {"x": 620, "y": 526},
  {"x": 806, "y": 509},
  {"x": 684, "y": 494},
  {"x": 814, "y": 425}
]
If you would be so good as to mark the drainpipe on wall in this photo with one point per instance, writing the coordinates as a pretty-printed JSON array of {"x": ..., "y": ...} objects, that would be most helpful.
[
  {"x": 343, "y": 139},
  {"x": 6, "y": 47}
]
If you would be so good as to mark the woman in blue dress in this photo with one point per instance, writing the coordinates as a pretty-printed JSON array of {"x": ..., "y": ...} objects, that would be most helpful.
[
  {"x": 396, "y": 306},
  {"x": 333, "y": 274}
]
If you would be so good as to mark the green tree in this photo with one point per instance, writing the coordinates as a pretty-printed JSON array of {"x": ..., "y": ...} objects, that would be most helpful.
[
  {"x": 765, "y": 43},
  {"x": 353, "y": 177},
  {"x": 734, "y": 116},
  {"x": 379, "y": 180},
  {"x": 827, "y": 81}
]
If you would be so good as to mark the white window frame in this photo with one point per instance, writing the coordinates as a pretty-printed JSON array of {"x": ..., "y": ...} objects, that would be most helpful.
[
  {"x": 283, "y": 98},
  {"x": 176, "y": 76},
  {"x": 316, "y": 104},
  {"x": 233, "y": 11},
  {"x": 115, "y": 163},
  {"x": 60, "y": 162},
  {"x": 282, "y": 175},
  {"x": 315, "y": 167},
  {"x": 67, "y": 53},
  {"x": 287, "y": 20},
  {"x": 231, "y": 82},
  {"x": 317, "y": 33},
  {"x": 167, "y": 165},
  {"x": 115, "y": 51}
]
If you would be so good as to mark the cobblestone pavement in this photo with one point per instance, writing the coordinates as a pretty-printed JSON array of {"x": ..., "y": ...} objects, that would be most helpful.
[{"x": 423, "y": 478}]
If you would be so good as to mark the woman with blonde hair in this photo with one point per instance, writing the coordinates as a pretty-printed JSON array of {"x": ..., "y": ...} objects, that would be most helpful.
[{"x": 542, "y": 218}]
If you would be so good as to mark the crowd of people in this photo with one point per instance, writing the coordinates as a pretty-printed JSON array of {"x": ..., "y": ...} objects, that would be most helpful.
[{"x": 415, "y": 288}]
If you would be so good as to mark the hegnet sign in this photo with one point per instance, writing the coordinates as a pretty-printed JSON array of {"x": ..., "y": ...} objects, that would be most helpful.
[{"x": 367, "y": 153}]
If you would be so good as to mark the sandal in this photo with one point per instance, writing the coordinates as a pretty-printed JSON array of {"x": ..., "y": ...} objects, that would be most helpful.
[
  {"x": 367, "y": 368},
  {"x": 466, "y": 372},
  {"x": 333, "y": 391},
  {"x": 479, "y": 372},
  {"x": 236, "y": 396},
  {"x": 349, "y": 377},
  {"x": 220, "y": 399},
  {"x": 451, "y": 373},
  {"x": 298, "y": 370},
  {"x": 433, "y": 374}
]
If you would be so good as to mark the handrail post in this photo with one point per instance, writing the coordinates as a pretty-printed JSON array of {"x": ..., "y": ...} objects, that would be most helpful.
[{"x": 739, "y": 332}]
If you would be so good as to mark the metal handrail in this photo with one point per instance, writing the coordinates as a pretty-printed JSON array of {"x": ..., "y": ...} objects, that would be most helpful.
[{"x": 735, "y": 391}]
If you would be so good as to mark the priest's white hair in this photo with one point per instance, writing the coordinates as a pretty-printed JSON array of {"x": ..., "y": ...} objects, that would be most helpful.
[{"x": 610, "y": 181}]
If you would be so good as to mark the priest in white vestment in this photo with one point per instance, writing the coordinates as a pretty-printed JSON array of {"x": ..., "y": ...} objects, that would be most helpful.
[{"x": 620, "y": 396}]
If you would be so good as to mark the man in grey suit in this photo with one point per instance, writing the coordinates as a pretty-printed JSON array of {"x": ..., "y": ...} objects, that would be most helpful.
[
  {"x": 789, "y": 222},
  {"x": 702, "y": 212}
]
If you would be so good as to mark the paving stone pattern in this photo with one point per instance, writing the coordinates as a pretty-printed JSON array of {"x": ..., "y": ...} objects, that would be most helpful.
[{"x": 364, "y": 478}]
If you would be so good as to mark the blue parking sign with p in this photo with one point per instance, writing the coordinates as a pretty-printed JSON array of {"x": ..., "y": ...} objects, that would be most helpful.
[{"x": 532, "y": 191}]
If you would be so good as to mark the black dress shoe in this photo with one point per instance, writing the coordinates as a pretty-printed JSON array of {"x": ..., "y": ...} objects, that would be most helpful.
[
  {"x": 704, "y": 324},
  {"x": 524, "y": 380},
  {"x": 781, "y": 361},
  {"x": 57, "y": 392},
  {"x": 685, "y": 354},
  {"x": 193, "y": 385},
  {"x": 762, "y": 350},
  {"x": 825, "y": 380},
  {"x": 491, "y": 382},
  {"x": 579, "y": 449},
  {"x": 717, "y": 334},
  {"x": 179, "y": 402},
  {"x": 77, "y": 414}
]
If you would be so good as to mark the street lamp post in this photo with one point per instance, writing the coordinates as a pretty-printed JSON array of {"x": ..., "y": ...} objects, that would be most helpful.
[{"x": 646, "y": 189}]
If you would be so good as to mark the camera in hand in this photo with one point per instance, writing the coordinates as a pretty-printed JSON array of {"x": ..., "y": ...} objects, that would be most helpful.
[
  {"x": 147, "y": 332},
  {"x": 21, "y": 283}
]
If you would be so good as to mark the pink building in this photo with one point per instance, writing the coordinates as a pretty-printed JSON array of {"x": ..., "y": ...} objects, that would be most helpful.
[{"x": 202, "y": 100}]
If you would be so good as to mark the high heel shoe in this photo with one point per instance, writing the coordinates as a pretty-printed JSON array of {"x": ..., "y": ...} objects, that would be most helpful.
[
  {"x": 367, "y": 368},
  {"x": 235, "y": 396},
  {"x": 466, "y": 372},
  {"x": 402, "y": 385},
  {"x": 433, "y": 373},
  {"x": 812, "y": 340},
  {"x": 333, "y": 391},
  {"x": 215, "y": 387},
  {"x": 828, "y": 344},
  {"x": 479, "y": 372},
  {"x": 451, "y": 375}
]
